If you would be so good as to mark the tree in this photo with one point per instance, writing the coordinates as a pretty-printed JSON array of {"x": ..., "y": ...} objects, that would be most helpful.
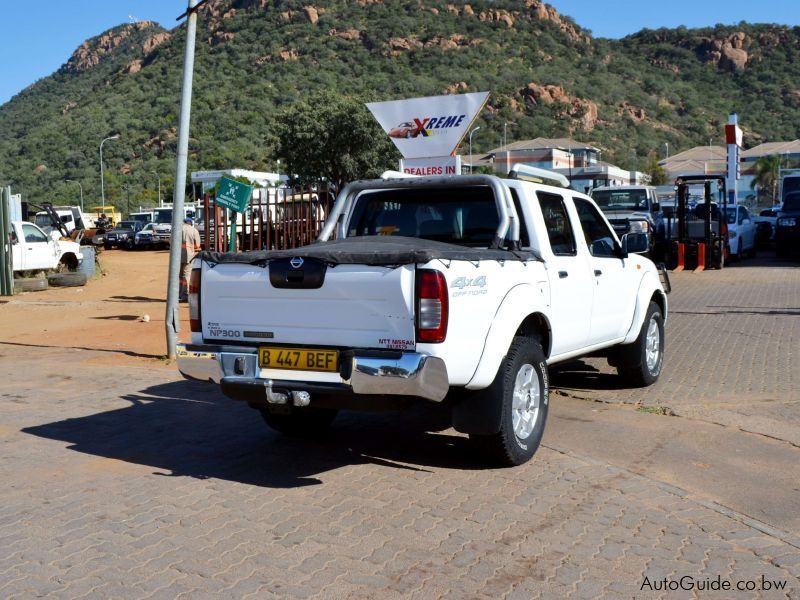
[
  {"x": 767, "y": 174},
  {"x": 335, "y": 138},
  {"x": 658, "y": 176}
]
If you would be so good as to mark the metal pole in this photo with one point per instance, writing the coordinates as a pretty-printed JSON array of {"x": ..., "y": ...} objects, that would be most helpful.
[
  {"x": 80, "y": 186},
  {"x": 172, "y": 318},
  {"x": 158, "y": 175},
  {"x": 6, "y": 270},
  {"x": 102, "y": 181},
  {"x": 474, "y": 129}
]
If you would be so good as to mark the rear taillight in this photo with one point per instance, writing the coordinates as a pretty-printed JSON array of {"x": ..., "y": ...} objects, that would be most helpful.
[
  {"x": 432, "y": 308},
  {"x": 194, "y": 301}
]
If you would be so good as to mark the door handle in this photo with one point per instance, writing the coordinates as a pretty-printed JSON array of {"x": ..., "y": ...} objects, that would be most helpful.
[
  {"x": 563, "y": 274},
  {"x": 597, "y": 272}
]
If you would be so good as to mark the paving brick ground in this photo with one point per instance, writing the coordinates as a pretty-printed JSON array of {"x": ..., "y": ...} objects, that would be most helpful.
[
  {"x": 123, "y": 482},
  {"x": 732, "y": 356}
]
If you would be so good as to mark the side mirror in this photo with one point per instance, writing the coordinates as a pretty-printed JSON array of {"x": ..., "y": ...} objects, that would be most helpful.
[
  {"x": 656, "y": 207},
  {"x": 634, "y": 243}
]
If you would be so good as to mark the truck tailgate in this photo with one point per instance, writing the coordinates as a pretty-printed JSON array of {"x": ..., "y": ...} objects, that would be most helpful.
[{"x": 357, "y": 306}]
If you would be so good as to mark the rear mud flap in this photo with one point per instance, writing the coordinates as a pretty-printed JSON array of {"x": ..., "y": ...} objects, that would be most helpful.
[{"x": 478, "y": 411}]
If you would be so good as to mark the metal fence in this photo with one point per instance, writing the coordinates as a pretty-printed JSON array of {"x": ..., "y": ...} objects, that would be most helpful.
[{"x": 277, "y": 219}]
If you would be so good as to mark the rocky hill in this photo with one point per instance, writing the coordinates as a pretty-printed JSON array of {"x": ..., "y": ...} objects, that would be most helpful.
[{"x": 548, "y": 77}]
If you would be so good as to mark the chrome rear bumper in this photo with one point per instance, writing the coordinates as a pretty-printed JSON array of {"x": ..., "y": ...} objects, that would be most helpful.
[{"x": 412, "y": 374}]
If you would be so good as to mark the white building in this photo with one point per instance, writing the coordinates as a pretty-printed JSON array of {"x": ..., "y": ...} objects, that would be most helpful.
[{"x": 578, "y": 161}]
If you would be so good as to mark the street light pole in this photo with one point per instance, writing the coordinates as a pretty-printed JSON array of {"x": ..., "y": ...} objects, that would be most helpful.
[
  {"x": 474, "y": 129},
  {"x": 159, "y": 186},
  {"x": 102, "y": 181},
  {"x": 505, "y": 133},
  {"x": 127, "y": 187},
  {"x": 80, "y": 186}
]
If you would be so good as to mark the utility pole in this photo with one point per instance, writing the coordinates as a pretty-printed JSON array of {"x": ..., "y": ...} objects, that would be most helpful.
[
  {"x": 172, "y": 318},
  {"x": 6, "y": 251}
]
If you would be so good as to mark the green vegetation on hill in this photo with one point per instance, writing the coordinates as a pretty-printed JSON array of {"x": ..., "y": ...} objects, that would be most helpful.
[{"x": 255, "y": 58}]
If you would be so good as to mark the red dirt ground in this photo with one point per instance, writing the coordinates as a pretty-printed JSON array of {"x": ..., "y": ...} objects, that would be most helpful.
[{"x": 105, "y": 315}]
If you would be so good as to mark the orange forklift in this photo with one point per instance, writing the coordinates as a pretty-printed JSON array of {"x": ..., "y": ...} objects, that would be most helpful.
[{"x": 701, "y": 235}]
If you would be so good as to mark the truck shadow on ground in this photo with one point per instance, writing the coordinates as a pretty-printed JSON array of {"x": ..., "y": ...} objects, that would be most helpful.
[
  {"x": 188, "y": 429},
  {"x": 581, "y": 376}
]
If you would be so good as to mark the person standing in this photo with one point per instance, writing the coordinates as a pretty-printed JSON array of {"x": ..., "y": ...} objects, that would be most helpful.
[{"x": 190, "y": 246}]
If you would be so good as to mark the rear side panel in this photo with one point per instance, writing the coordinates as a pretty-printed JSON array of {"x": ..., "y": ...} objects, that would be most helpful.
[
  {"x": 476, "y": 292},
  {"x": 357, "y": 306}
]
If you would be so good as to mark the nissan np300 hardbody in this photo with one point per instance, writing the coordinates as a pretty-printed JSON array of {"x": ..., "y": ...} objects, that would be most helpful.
[{"x": 461, "y": 289}]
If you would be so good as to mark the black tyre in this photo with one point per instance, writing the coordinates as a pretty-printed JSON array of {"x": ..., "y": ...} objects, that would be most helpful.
[
  {"x": 520, "y": 390},
  {"x": 719, "y": 259},
  {"x": 640, "y": 362},
  {"x": 106, "y": 246},
  {"x": 301, "y": 422},
  {"x": 67, "y": 279},
  {"x": 30, "y": 285},
  {"x": 738, "y": 256},
  {"x": 129, "y": 245}
]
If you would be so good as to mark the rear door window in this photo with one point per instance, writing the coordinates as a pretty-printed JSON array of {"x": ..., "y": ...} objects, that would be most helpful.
[{"x": 556, "y": 220}]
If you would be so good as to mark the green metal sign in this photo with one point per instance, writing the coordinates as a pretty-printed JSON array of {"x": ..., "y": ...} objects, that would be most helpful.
[{"x": 233, "y": 194}]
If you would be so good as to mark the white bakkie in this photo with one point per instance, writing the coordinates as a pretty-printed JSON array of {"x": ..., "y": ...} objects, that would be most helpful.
[
  {"x": 459, "y": 290},
  {"x": 34, "y": 250}
]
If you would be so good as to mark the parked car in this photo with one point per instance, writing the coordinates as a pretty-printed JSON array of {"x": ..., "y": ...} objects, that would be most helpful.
[
  {"x": 146, "y": 237},
  {"x": 741, "y": 232},
  {"x": 787, "y": 230},
  {"x": 633, "y": 209},
  {"x": 122, "y": 236},
  {"x": 765, "y": 226},
  {"x": 457, "y": 287}
]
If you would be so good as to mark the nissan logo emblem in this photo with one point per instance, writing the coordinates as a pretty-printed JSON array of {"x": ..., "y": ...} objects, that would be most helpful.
[{"x": 296, "y": 262}]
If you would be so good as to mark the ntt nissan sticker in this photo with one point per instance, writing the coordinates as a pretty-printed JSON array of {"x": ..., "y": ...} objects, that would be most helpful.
[{"x": 432, "y": 126}]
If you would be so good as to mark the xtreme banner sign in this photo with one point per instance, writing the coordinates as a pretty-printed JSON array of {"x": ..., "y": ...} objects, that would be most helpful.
[{"x": 431, "y": 126}]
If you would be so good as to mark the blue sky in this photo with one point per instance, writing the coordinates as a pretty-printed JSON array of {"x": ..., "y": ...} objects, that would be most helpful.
[{"x": 39, "y": 37}]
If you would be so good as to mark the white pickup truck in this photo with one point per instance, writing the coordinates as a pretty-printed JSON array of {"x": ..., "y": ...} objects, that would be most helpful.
[
  {"x": 34, "y": 250},
  {"x": 446, "y": 289}
]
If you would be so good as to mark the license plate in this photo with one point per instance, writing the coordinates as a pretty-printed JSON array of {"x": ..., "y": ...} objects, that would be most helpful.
[{"x": 299, "y": 359}]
